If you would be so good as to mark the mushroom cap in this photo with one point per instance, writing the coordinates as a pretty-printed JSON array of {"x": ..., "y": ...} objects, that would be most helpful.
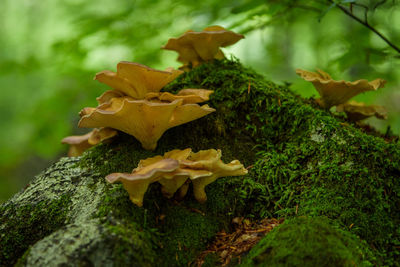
[
  {"x": 108, "y": 95},
  {"x": 137, "y": 182},
  {"x": 195, "y": 47},
  {"x": 204, "y": 159},
  {"x": 189, "y": 96},
  {"x": 76, "y": 139},
  {"x": 99, "y": 135},
  {"x": 135, "y": 80},
  {"x": 173, "y": 154},
  {"x": 189, "y": 112},
  {"x": 358, "y": 111},
  {"x": 334, "y": 92},
  {"x": 80, "y": 143},
  {"x": 145, "y": 120}
]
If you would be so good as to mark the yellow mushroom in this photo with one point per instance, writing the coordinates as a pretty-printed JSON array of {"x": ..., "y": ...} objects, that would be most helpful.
[
  {"x": 136, "y": 80},
  {"x": 197, "y": 47},
  {"x": 77, "y": 144},
  {"x": 359, "y": 111},
  {"x": 80, "y": 143},
  {"x": 143, "y": 119},
  {"x": 174, "y": 169},
  {"x": 173, "y": 154},
  {"x": 189, "y": 96},
  {"x": 137, "y": 182},
  {"x": 334, "y": 92}
]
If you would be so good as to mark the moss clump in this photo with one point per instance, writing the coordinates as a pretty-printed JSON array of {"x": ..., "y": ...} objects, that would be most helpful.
[
  {"x": 307, "y": 242},
  {"x": 337, "y": 172},
  {"x": 25, "y": 225}
]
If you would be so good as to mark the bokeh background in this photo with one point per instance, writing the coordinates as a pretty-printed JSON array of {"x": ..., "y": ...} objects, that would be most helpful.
[{"x": 51, "y": 49}]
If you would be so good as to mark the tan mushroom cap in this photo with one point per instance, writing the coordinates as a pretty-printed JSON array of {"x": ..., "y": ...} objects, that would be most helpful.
[
  {"x": 337, "y": 92},
  {"x": 136, "y": 80},
  {"x": 144, "y": 120},
  {"x": 189, "y": 96},
  {"x": 101, "y": 134},
  {"x": 80, "y": 143},
  {"x": 173, "y": 154},
  {"x": 359, "y": 111},
  {"x": 196, "y": 47},
  {"x": 137, "y": 182},
  {"x": 108, "y": 95}
]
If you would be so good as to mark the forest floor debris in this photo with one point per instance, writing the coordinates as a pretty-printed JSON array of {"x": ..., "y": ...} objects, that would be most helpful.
[{"x": 245, "y": 235}]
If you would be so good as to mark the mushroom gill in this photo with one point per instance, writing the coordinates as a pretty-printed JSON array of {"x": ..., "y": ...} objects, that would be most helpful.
[{"x": 334, "y": 92}]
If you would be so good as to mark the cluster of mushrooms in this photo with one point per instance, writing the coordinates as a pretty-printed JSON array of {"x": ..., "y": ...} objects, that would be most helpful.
[
  {"x": 137, "y": 106},
  {"x": 173, "y": 170},
  {"x": 338, "y": 93}
]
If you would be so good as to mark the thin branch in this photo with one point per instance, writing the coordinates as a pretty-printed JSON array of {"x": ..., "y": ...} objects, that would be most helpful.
[
  {"x": 379, "y": 3},
  {"x": 366, "y": 9},
  {"x": 366, "y": 24}
]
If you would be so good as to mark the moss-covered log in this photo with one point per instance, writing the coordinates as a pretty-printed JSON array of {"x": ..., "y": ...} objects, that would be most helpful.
[{"x": 303, "y": 162}]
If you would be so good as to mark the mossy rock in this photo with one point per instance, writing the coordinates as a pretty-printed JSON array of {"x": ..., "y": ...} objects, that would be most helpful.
[
  {"x": 307, "y": 242},
  {"x": 303, "y": 161}
]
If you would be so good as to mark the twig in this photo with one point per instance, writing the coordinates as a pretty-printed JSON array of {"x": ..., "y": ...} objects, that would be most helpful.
[
  {"x": 366, "y": 24},
  {"x": 379, "y": 3},
  {"x": 366, "y": 9}
]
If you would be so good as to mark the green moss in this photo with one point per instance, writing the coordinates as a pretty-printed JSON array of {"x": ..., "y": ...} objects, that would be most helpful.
[
  {"x": 304, "y": 161},
  {"x": 25, "y": 225},
  {"x": 211, "y": 260},
  {"x": 130, "y": 246},
  {"x": 349, "y": 176},
  {"x": 308, "y": 242}
]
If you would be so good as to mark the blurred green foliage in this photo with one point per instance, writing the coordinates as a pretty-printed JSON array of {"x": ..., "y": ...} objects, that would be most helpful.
[{"x": 50, "y": 50}]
